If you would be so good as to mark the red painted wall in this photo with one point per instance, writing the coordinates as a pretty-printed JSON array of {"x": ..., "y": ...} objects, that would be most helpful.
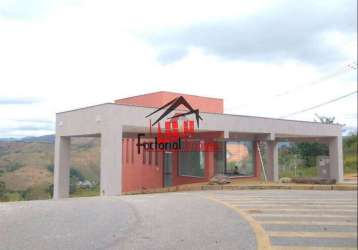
[
  {"x": 158, "y": 99},
  {"x": 137, "y": 175}
]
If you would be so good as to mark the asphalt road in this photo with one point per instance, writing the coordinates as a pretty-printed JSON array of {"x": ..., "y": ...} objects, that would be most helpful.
[
  {"x": 159, "y": 221},
  {"x": 279, "y": 219}
]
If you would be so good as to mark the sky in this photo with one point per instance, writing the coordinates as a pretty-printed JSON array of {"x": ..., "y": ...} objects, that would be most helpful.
[{"x": 264, "y": 58}]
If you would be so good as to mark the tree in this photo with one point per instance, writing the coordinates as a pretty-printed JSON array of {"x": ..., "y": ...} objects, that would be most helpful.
[
  {"x": 50, "y": 190},
  {"x": 350, "y": 142},
  {"x": 2, "y": 189},
  {"x": 350, "y": 153},
  {"x": 310, "y": 150},
  {"x": 325, "y": 119}
]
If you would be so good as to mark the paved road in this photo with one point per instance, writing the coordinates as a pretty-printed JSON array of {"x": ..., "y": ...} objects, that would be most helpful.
[
  {"x": 296, "y": 220},
  {"x": 160, "y": 221},
  {"x": 281, "y": 219},
  {"x": 79, "y": 223}
]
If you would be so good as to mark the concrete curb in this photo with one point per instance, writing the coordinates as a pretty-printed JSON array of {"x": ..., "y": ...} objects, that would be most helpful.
[{"x": 341, "y": 187}]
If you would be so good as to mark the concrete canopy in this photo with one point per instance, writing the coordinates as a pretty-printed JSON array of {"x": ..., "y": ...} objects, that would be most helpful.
[{"x": 110, "y": 121}]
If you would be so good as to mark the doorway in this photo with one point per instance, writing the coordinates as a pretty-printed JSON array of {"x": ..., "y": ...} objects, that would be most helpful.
[{"x": 168, "y": 169}]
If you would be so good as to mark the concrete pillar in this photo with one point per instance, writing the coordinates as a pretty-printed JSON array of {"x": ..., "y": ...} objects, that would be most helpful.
[
  {"x": 226, "y": 134},
  {"x": 336, "y": 158},
  {"x": 111, "y": 162},
  {"x": 62, "y": 167},
  {"x": 272, "y": 161}
]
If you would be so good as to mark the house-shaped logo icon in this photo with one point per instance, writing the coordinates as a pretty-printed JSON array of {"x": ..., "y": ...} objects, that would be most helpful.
[
  {"x": 173, "y": 105},
  {"x": 172, "y": 127}
]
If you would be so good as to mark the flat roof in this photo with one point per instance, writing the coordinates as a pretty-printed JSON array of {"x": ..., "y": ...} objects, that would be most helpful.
[{"x": 219, "y": 114}]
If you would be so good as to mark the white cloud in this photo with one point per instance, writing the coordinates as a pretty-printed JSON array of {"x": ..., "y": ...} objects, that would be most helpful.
[{"x": 88, "y": 52}]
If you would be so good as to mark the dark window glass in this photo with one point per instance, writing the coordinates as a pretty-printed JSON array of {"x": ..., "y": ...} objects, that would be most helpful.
[
  {"x": 220, "y": 157},
  {"x": 191, "y": 163}
]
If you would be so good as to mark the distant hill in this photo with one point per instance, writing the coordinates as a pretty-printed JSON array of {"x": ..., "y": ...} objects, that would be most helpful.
[
  {"x": 8, "y": 139},
  {"x": 44, "y": 138},
  {"x": 26, "y": 165}
]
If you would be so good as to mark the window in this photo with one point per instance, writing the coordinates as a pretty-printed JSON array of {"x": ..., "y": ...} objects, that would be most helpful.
[
  {"x": 191, "y": 163},
  {"x": 239, "y": 158},
  {"x": 220, "y": 157}
]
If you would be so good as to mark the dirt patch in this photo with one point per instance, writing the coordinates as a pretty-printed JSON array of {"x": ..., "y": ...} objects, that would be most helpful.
[{"x": 27, "y": 177}]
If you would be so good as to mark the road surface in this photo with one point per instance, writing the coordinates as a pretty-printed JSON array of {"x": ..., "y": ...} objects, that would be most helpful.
[
  {"x": 298, "y": 220},
  {"x": 159, "y": 221},
  {"x": 251, "y": 219}
]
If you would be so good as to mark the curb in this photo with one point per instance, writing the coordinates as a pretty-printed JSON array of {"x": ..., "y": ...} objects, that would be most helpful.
[{"x": 339, "y": 187}]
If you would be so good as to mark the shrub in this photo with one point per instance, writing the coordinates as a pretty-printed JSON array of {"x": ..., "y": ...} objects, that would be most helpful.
[
  {"x": 2, "y": 189},
  {"x": 50, "y": 168},
  {"x": 13, "y": 166},
  {"x": 50, "y": 191},
  {"x": 12, "y": 196},
  {"x": 76, "y": 174}
]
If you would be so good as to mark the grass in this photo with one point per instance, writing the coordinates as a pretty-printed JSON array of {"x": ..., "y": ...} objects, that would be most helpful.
[
  {"x": 86, "y": 192},
  {"x": 11, "y": 196},
  {"x": 301, "y": 171},
  {"x": 38, "y": 193},
  {"x": 350, "y": 167},
  {"x": 350, "y": 164}
]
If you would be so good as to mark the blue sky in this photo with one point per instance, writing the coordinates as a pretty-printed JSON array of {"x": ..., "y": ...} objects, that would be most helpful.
[{"x": 265, "y": 58}]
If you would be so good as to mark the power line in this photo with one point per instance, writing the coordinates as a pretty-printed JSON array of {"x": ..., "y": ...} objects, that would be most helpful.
[
  {"x": 345, "y": 69},
  {"x": 320, "y": 105}
]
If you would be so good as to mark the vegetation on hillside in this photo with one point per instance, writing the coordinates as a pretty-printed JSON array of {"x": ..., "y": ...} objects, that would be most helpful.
[
  {"x": 26, "y": 169},
  {"x": 350, "y": 151}
]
